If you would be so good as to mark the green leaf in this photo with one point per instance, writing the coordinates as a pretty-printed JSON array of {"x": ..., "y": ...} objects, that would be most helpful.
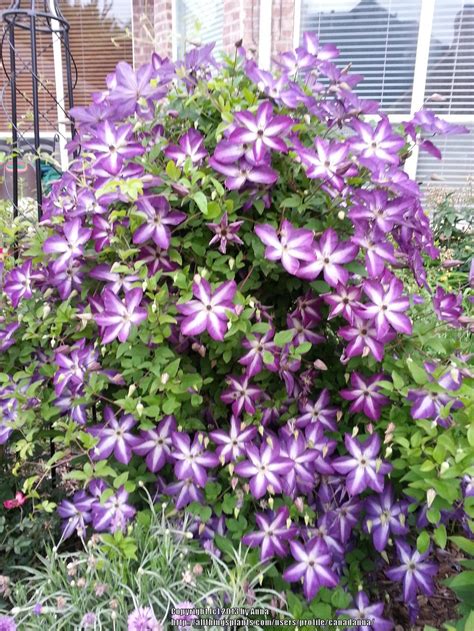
[
  {"x": 303, "y": 348},
  {"x": 464, "y": 544},
  {"x": 397, "y": 380},
  {"x": 203, "y": 512},
  {"x": 321, "y": 610},
  {"x": 462, "y": 585},
  {"x": 440, "y": 536},
  {"x": 470, "y": 435},
  {"x": 229, "y": 503},
  {"x": 224, "y": 544},
  {"x": 291, "y": 202},
  {"x": 469, "y": 624},
  {"x": 283, "y": 337},
  {"x": 295, "y": 605},
  {"x": 417, "y": 372},
  {"x": 201, "y": 201},
  {"x": 120, "y": 480},
  {"x": 423, "y": 542},
  {"x": 172, "y": 171}
]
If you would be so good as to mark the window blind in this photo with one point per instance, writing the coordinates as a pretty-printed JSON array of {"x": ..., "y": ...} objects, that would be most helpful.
[
  {"x": 24, "y": 93},
  {"x": 379, "y": 38},
  {"x": 98, "y": 41},
  {"x": 454, "y": 172},
  {"x": 100, "y": 37},
  {"x": 451, "y": 59},
  {"x": 199, "y": 22}
]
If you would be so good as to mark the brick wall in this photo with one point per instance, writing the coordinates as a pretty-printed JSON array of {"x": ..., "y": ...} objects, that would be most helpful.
[
  {"x": 283, "y": 15},
  {"x": 241, "y": 21},
  {"x": 143, "y": 30},
  {"x": 152, "y": 19},
  {"x": 164, "y": 27}
]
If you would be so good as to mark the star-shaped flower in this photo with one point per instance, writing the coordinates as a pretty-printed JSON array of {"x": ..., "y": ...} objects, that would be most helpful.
[
  {"x": 328, "y": 257},
  {"x": 209, "y": 310},
  {"x": 290, "y": 245},
  {"x": 158, "y": 216},
  {"x": 70, "y": 245},
  {"x": 313, "y": 566},
  {"x": 156, "y": 444},
  {"x": 415, "y": 572},
  {"x": 265, "y": 468},
  {"x": 365, "y": 395},
  {"x": 191, "y": 458},
  {"x": 363, "y": 468},
  {"x": 191, "y": 145},
  {"x": 385, "y": 516},
  {"x": 117, "y": 316},
  {"x": 273, "y": 534},
  {"x": 225, "y": 233},
  {"x": 114, "y": 437},
  {"x": 232, "y": 444},
  {"x": 363, "y": 610}
]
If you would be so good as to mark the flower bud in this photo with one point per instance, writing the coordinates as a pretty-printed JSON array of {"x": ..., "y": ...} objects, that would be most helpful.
[
  {"x": 430, "y": 497},
  {"x": 299, "y": 504},
  {"x": 444, "y": 467},
  {"x": 164, "y": 378},
  {"x": 139, "y": 408},
  {"x": 131, "y": 390},
  {"x": 320, "y": 365}
]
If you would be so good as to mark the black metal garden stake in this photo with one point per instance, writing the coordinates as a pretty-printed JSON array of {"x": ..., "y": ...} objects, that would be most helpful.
[
  {"x": 40, "y": 20},
  {"x": 34, "y": 23}
]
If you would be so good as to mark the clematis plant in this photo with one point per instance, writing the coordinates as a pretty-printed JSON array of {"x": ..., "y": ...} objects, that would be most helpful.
[{"x": 227, "y": 306}]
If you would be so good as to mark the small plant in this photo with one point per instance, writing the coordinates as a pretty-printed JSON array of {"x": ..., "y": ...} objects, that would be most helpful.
[{"x": 153, "y": 567}]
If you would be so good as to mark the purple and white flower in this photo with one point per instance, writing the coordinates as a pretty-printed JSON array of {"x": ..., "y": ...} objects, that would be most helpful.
[
  {"x": 158, "y": 217},
  {"x": 363, "y": 468},
  {"x": 265, "y": 468},
  {"x": 192, "y": 461},
  {"x": 329, "y": 255},
  {"x": 365, "y": 395},
  {"x": 155, "y": 444},
  {"x": 191, "y": 146},
  {"x": 414, "y": 570},
  {"x": 114, "y": 437},
  {"x": 209, "y": 309},
  {"x": 273, "y": 534},
  {"x": 118, "y": 316},
  {"x": 290, "y": 245},
  {"x": 313, "y": 567}
]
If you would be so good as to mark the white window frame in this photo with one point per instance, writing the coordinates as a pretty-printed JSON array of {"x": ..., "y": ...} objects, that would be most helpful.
[{"x": 419, "y": 77}]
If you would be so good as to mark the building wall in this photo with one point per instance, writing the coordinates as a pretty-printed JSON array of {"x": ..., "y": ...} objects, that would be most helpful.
[
  {"x": 164, "y": 27},
  {"x": 143, "y": 30},
  {"x": 283, "y": 16},
  {"x": 241, "y": 22}
]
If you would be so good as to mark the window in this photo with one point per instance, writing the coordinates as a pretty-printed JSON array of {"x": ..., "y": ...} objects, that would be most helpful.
[
  {"x": 99, "y": 38},
  {"x": 379, "y": 38},
  {"x": 199, "y": 22},
  {"x": 451, "y": 60},
  {"x": 384, "y": 41}
]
